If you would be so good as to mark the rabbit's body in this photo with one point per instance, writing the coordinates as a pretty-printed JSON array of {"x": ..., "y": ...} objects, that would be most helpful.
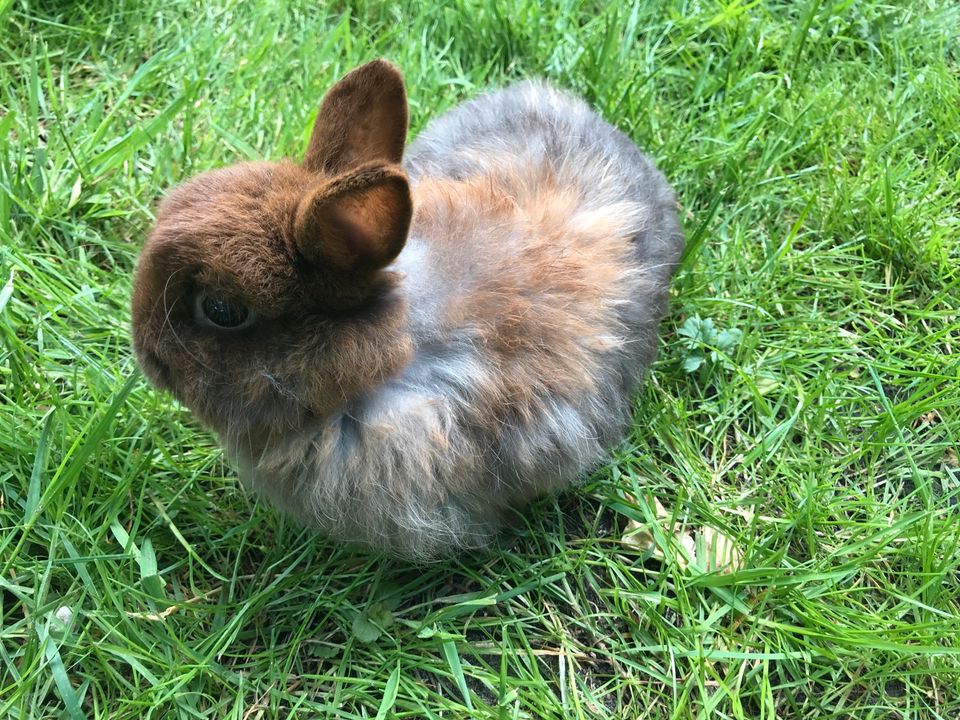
[{"x": 510, "y": 338}]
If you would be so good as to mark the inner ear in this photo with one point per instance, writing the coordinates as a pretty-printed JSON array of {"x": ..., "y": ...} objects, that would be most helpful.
[
  {"x": 362, "y": 119},
  {"x": 356, "y": 222}
]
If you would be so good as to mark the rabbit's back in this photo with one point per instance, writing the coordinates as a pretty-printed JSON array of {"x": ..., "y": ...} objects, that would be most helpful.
[
  {"x": 535, "y": 126},
  {"x": 535, "y": 151},
  {"x": 537, "y": 269}
]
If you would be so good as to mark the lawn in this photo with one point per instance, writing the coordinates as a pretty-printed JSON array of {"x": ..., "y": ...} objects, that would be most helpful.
[{"x": 805, "y": 408}]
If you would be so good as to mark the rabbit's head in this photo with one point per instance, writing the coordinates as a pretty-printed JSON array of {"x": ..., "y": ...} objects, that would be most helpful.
[{"x": 261, "y": 297}]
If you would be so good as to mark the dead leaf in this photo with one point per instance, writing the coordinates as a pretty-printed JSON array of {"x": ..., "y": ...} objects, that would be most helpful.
[
  {"x": 720, "y": 553},
  {"x": 706, "y": 548},
  {"x": 950, "y": 458},
  {"x": 928, "y": 418},
  {"x": 639, "y": 537}
]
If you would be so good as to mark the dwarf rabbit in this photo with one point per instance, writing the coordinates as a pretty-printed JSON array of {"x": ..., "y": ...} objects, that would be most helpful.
[{"x": 403, "y": 353}]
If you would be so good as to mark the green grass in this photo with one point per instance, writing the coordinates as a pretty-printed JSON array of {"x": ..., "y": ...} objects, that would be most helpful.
[{"x": 814, "y": 148}]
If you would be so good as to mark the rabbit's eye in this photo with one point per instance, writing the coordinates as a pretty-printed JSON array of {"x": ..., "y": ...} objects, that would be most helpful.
[{"x": 223, "y": 314}]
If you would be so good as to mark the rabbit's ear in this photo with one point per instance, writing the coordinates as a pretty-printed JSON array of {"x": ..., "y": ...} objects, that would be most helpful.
[
  {"x": 359, "y": 221},
  {"x": 362, "y": 119}
]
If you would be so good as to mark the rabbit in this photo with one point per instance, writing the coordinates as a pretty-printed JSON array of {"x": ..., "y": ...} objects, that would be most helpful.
[{"x": 403, "y": 352}]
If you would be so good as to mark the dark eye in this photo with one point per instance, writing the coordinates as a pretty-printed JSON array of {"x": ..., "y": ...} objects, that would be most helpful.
[{"x": 221, "y": 313}]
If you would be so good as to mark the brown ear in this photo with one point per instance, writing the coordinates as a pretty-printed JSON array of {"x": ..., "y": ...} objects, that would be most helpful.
[
  {"x": 362, "y": 119},
  {"x": 358, "y": 221}
]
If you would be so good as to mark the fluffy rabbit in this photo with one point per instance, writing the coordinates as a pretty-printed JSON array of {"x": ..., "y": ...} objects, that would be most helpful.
[{"x": 401, "y": 354}]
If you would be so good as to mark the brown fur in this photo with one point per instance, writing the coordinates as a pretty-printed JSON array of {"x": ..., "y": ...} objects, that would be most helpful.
[
  {"x": 283, "y": 239},
  {"x": 247, "y": 249}
]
